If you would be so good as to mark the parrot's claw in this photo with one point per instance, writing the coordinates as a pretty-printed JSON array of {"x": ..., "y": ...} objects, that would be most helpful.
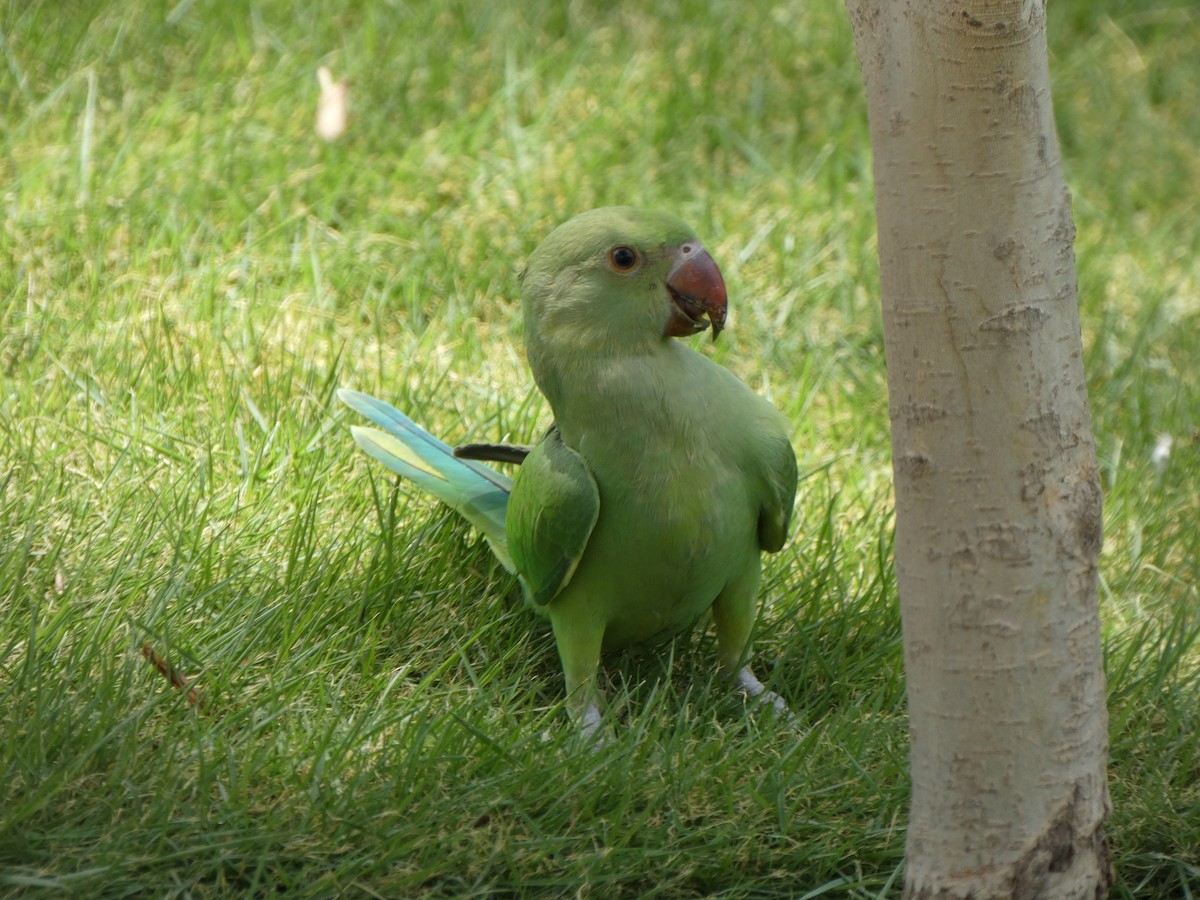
[
  {"x": 589, "y": 721},
  {"x": 591, "y": 726},
  {"x": 753, "y": 689}
]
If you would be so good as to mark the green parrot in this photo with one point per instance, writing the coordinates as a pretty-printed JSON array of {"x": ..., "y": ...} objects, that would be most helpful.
[{"x": 661, "y": 481}]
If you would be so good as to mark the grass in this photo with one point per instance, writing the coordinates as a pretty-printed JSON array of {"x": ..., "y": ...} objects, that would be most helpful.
[{"x": 186, "y": 277}]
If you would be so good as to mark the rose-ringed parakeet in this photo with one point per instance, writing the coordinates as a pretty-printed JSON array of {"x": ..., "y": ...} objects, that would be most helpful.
[{"x": 663, "y": 477}]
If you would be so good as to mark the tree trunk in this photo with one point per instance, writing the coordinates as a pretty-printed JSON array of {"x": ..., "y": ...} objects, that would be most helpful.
[{"x": 998, "y": 523}]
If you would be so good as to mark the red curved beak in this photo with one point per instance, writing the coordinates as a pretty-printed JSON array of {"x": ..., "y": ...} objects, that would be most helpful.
[{"x": 698, "y": 290}]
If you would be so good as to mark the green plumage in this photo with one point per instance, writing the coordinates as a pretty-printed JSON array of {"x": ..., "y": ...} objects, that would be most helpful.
[
  {"x": 664, "y": 477},
  {"x": 551, "y": 514}
]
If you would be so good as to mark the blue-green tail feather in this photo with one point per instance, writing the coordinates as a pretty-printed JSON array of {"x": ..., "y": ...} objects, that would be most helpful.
[{"x": 476, "y": 492}]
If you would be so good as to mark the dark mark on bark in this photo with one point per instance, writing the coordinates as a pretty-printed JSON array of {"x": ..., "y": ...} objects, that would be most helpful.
[{"x": 1019, "y": 319}]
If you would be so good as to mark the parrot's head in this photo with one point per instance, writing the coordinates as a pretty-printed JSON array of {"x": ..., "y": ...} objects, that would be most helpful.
[{"x": 617, "y": 279}]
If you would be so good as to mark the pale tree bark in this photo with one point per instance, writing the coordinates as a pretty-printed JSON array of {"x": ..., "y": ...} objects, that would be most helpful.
[{"x": 998, "y": 524}]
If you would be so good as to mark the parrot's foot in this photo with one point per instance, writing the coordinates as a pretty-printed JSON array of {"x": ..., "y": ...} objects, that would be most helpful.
[
  {"x": 590, "y": 722},
  {"x": 591, "y": 726},
  {"x": 746, "y": 682}
]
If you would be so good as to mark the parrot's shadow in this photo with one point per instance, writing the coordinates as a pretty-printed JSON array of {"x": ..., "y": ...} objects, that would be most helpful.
[
  {"x": 462, "y": 587},
  {"x": 458, "y": 600},
  {"x": 678, "y": 678}
]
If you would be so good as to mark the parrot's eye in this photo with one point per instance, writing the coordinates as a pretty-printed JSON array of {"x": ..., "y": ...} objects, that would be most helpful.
[{"x": 623, "y": 259}]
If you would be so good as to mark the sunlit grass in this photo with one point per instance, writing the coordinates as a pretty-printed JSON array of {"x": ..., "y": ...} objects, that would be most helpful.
[{"x": 187, "y": 274}]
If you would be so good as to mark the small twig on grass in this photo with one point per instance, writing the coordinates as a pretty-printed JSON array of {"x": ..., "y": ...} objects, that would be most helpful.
[{"x": 173, "y": 675}]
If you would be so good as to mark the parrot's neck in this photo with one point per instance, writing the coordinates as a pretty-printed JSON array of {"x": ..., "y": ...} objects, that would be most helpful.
[{"x": 587, "y": 389}]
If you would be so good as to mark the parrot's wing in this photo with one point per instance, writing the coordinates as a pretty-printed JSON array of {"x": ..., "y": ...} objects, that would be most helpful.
[
  {"x": 779, "y": 475},
  {"x": 477, "y": 493},
  {"x": 551, "y": 513}
]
